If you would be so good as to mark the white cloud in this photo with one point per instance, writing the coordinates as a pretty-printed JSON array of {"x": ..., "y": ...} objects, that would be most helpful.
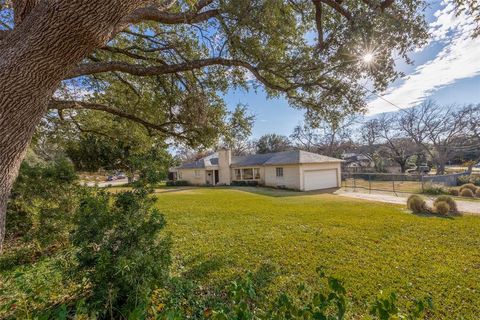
[{"x": 459, "y": 59}]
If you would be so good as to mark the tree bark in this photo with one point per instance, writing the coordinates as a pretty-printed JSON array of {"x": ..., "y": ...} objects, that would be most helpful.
[{"x": 49, "y": 42}]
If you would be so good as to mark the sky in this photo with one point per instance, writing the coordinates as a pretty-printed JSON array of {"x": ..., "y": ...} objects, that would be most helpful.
[{"x": 446, "y": 70}]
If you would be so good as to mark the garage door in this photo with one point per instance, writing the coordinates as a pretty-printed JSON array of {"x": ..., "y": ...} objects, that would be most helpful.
[{"x": 320, "y": 179}]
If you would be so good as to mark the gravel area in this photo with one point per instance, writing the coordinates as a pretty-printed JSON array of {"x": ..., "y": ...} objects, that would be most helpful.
[{"x": 467, "y": 207}]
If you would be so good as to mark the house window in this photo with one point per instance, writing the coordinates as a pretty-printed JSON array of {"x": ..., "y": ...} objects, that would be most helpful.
[
  {"x": 238, "y": 174},
  {"x": 279, "y": 172},
  {"x": 247, "y": 174},
  {"x": 180, "y": 175},
  {"x": 197, "y": 173},
  {"x": 256, "y": 173}
]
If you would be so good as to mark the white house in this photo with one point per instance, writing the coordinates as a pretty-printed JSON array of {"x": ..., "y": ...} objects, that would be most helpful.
[{"x": 296, "y": 169}]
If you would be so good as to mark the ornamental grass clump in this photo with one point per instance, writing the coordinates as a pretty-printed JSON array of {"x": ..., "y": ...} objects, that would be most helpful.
[
  {"x": 477, "y": 193},
  {"x": 442, "y": 207},
  {"x": 417, "y": 204},
  {"x": 454, "y": 192},
  {"x": 469, "y": 186},
  {"x": 467, "y": 193},
  {"x": 451, "y": 204}
]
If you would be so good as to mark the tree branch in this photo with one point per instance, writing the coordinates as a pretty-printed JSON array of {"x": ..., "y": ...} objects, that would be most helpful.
[
  {"x": 154, "y": 14},
  {"x": 139, "y": 70},
  {"x": 64, "y": 105},
  {"x": 339, "y": 8}
]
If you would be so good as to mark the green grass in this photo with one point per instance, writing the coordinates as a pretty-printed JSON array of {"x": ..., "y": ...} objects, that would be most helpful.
[{"x": 220, "y": 233}]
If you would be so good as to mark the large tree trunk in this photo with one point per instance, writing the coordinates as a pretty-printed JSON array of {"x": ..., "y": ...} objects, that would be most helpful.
[{"x": 50, "y": 39}]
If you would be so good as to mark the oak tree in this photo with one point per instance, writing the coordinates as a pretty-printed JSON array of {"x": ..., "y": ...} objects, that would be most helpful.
[{"x": 308, "y": 51}]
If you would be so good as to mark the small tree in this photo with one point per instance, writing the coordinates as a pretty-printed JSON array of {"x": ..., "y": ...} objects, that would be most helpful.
[{"x": 120, "y": 251}]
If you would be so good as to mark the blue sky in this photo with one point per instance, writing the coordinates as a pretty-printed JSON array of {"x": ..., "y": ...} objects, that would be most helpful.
[{"x": 446, "y": 70}]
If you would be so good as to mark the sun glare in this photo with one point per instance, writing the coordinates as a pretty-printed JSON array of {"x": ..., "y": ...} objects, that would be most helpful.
[{"x": 368, "y": 57}]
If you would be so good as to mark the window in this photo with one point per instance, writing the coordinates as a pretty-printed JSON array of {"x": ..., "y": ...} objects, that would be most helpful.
[
  {"x": 279, "y": 172},
  {"x": 197, "y": 173},
  {"x": 180, "y": 175},
  {"x": 238, "y": 174},
  {"x": 247, "y": 174},
  {"x": 256, "y": 173}
]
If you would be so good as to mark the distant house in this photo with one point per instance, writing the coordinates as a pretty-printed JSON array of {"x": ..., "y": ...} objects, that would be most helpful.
[
  {"x": 297, "y": 169},
  {"x": 356, "y": 162}
]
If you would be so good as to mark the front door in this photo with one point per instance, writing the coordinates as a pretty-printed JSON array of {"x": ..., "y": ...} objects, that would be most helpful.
[{"x": 216, "y": 177}]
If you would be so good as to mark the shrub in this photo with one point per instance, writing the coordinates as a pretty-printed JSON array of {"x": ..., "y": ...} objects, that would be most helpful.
[
  {"x": 454, "y": 192},
  {"x": 466, "y": 193},
  {"x": 417, "y": 204},
  {"x": 177, "y": 183},
  {"x": 451, "y": 203},
  {"x": 42, "y": 203},
  {"x": 469, "y": 186},
  {"x": 442, "y": 207},
  {"x": 119, "y": 251},
  {"x": 244, "y": 183},
  {"x": 469, "y": 179},
  {"x": 434, "y": 189},
  {"x": 477, "y": 193}
]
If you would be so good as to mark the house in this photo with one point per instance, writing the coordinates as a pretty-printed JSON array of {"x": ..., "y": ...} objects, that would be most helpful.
[
  {"x": 296, "y": 169},
  {"x": 356, "y": 162}
]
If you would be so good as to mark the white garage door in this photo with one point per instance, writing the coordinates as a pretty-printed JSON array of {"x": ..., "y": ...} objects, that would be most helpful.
[{"x": 320, "y": 179}]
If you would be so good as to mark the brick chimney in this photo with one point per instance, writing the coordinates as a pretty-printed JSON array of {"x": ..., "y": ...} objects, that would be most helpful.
[{"x": 224, "y": 162}]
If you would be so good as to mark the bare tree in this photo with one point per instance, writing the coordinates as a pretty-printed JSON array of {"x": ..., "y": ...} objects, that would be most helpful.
[
  {"x": 439, "y": 131},
  {"x": 331, "y": 137},
  {"x": 396, "y": 146}
]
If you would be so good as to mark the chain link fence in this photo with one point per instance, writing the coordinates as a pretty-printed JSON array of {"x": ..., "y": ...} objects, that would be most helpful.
[{"x": 396, "y": 183}]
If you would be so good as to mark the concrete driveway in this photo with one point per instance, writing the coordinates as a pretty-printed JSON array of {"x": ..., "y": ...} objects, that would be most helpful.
[
  {"x": 467, "y": 207},
  {"x": 103, "y": 184}
]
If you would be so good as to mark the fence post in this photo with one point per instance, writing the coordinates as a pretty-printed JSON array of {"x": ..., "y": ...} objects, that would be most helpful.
[
  {"x": 369, "y": 184},
  {"x": 354, "y": 183},
  {"x": 421, "y": 181},
  {"x": 393, "y": 184}
]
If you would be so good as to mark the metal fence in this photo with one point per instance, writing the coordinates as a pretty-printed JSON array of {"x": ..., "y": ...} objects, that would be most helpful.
[{"x": 396, "y": 183}]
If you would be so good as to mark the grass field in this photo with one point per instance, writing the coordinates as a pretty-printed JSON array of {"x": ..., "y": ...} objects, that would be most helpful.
[{"x": 220, "y": 234}]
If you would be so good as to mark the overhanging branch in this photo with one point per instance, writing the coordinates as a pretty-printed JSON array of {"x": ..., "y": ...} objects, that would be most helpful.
[
  {"x": 65, "y": 105},
  {"x": 143, "y": 71}
]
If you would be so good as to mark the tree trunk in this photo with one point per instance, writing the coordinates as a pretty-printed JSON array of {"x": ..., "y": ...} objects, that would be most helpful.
[{"x": 52, "y": 39}]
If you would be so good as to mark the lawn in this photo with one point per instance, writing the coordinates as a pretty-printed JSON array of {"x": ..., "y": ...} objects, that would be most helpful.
[{"x": 220, "y": 233}]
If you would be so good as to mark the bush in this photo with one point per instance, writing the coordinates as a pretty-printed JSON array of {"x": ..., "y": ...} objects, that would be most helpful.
[
  {"x": 454, "y": 192},
  {"x": 469, "y": 186},
  {"x": 442, "y": 207},
  {"x": 330, "y": 302},
  {"x": 477, "y": 193},
  {"x": 120, "y": 252},
  {"x": 469, "y": 179},
  {"x": 244, "y": 183},
  {"x": 417, "y": 204},
  {"x": 42, "y": 203},
  {"x": 467, "y": 193},
  {"x": 177, "y": 183},
  {"x": 433, "y": 189},
  {"x": 451, "y": 203}
]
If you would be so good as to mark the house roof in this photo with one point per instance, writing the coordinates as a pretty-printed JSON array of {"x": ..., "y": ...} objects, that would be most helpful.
[
  {"x": 278, "y": 158},
  {"x": 208, "y": 161}
]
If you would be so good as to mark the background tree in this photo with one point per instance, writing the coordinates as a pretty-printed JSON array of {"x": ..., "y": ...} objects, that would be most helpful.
[
  {"x": 395, "y": 146},
  {"x": 272, "y": 142},
  {"x": 439, "y": 131},
  {"x": 238, "y": 131},
  {"x": 331, "y": 136}
]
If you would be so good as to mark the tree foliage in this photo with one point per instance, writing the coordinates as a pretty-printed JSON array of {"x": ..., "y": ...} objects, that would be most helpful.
[{"x": 272, "y": 142}]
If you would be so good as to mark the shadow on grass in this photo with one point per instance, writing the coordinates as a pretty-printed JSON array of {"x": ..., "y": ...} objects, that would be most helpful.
[{"x": 280, "y": 193}]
